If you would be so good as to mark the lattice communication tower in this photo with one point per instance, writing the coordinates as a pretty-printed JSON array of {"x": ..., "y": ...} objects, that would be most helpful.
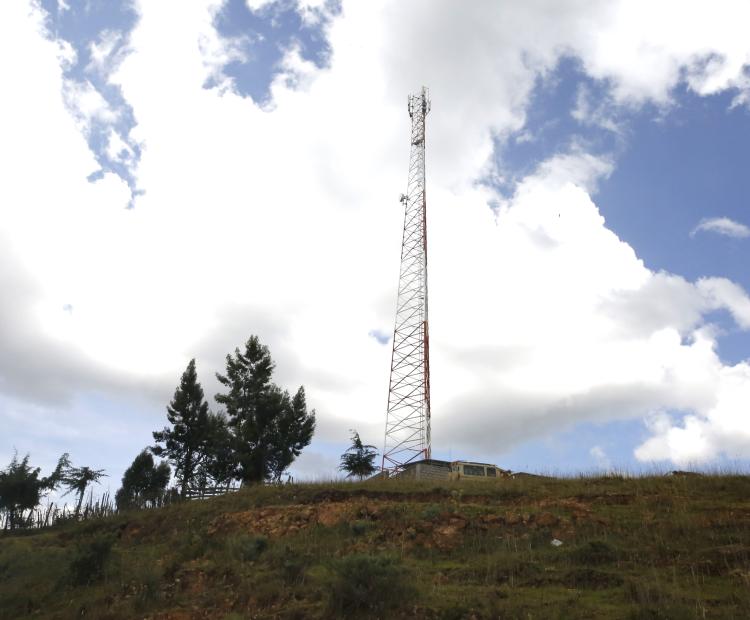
[{"x": 407, "y": 426}]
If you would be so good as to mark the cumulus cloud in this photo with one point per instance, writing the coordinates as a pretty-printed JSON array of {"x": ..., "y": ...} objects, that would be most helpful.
[
  {"x": 721, "y": 429},
  {"x": 285, "y": 221},
  {"x": 721, "y": 293},
  {"x": 573, "y": 328},
  {"x": 722, "y": 226}
]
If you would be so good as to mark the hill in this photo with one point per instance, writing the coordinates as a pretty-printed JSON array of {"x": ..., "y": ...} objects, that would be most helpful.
[{"x": 651, "y": 547}]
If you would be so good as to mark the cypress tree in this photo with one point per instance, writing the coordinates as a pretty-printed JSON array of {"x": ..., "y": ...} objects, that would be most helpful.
[
  {"x": 187, "y": 443},
  {"x": 269, "y": 428}
]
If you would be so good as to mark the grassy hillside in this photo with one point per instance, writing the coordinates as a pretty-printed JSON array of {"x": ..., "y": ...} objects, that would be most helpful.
[{"x": 659, "y": 547}]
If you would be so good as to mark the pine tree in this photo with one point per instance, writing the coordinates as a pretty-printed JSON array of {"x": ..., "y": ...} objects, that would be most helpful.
[
  {"x": 269, "y": 428},
  {"x": 358, "y": 460},
  {"x": 187, "y": 445}
]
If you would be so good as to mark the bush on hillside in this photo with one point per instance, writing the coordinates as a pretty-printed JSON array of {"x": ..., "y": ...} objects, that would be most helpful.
[
  {"x": 90, "y": 560},
  {"x": 368, "y": 585}
]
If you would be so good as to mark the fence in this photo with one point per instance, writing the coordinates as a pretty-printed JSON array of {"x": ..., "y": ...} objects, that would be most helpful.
[
  {"x": 211, "y": 491},
  {"x": 52, "y": 514}
]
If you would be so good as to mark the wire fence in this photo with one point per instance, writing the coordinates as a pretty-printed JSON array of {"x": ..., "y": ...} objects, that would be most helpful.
[{"x": 51, "y": 513}]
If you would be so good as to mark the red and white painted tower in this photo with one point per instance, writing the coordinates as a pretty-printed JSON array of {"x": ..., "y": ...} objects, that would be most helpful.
[{"x": 407, "y": 426}]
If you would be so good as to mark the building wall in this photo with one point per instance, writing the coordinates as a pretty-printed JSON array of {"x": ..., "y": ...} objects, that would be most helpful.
[{"x": 426, "y": 471}]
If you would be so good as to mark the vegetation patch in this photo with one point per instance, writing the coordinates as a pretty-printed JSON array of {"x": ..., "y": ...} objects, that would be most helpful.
[
  {"x": 90, "y": 559},
  {"x": 594, "y": 553},
  {"x": 399, "y": 549},
  {"x": 247, "y": 547},
  {"x": 368, "y": 585}
]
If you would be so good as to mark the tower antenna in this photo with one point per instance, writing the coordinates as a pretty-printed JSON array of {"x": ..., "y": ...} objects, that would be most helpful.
[{"x": 407, "y": 425}]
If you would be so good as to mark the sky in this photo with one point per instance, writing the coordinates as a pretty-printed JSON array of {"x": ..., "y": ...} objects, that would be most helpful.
[{"x": 178, "y": 176}]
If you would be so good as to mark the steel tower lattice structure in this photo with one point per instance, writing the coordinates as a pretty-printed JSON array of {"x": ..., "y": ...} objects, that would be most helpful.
[{"x": 407, "y": 426}]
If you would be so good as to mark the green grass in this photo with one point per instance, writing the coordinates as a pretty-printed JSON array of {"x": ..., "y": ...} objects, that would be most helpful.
[{"x": 641, "y": 547}]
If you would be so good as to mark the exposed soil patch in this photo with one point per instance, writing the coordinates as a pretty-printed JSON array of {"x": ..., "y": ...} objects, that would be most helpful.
[
  {"x": 440, "y": 495},
  {"x": 444, "y": 531}
]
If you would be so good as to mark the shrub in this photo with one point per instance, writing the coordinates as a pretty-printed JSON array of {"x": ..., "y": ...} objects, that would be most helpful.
[
  {"x": 291, "y": 564},
  {"x": 594, "y": 552},
  {"x": 591, "y": 579},
  {"x": 364, "y": 584},
  {"x": 90, "y": 559},
  {"x": 432, "y": 512},
  {"x": 456, "y": 612},
  {"x": 146, "y": 588},
  {"x": 293, "y": 570},
  {"x": 359, "y": 527},
  {"x": 247, "y": 547}
]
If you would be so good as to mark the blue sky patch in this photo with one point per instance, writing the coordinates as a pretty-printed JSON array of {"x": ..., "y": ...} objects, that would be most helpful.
[
  {"x": 263, "y": 37},
  {"x": 671, "y": 172},
  {"x": 676, "y": 171},
  {"x": 567, "y": 111},
  {"x": 380, "y": 336},
  {"x": 97, "y": 30}
]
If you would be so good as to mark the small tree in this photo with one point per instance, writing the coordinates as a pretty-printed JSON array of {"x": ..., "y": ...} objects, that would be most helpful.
[
  {"x": 21, "y": 488},
  {"x": 358, "y": 460},
  {"x": 187, "y": 445},
  {"x": 143, "y": 483},
  {"x": 77, "y": 479},
  {"x": 269, "y": 429}
]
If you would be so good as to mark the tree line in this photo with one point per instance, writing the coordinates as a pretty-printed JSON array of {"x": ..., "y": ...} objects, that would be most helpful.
[
  {"x": 257, "y": 435},
  {"x": 255, "y": 438}
]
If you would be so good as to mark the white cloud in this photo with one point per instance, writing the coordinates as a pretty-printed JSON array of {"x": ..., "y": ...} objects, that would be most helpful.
[
  {"x": 573, "y": 328},
  {"x": 312, "y": 465},
  {"x": 722, "y": 429},
  {"x": 117, "y": 149},
  {"x": 66, "y": 54},
  {"x": 103, "y": 52},
  {"x": 646, "y": 50},
  {"x": 312, "y": 12},
  {"x": 600, "y": 458},
  {"x": 722, "y": 226},
  {"x": 285, "y": 222},
  {"x": 577, "y": 168},
  {"x": 87, "y": 104},
  {"x": 722, "y": 293},
  {"x": 256, "y": 5},
  {"x": 216, "y": 51},
  {"x": 600, "y": 113}
]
